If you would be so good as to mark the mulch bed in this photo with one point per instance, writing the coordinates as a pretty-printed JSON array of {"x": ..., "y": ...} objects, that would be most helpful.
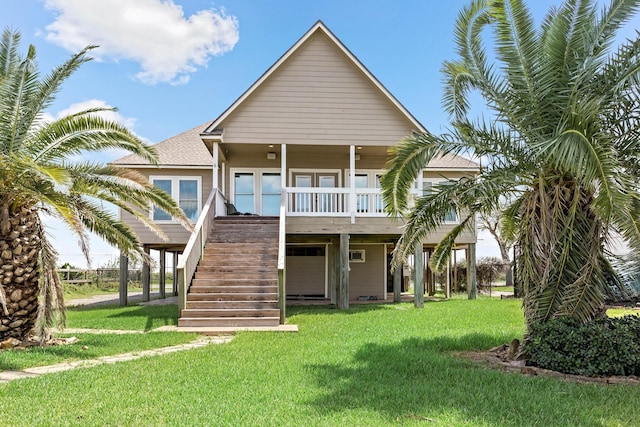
[{"x": 499, "y": 358}]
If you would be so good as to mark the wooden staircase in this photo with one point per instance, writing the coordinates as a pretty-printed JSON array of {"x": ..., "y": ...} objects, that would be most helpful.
[{"x": 236, "y": 282}]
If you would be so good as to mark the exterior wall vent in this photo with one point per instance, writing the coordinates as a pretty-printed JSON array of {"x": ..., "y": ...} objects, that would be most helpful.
[{"x": 356, "y": 255}]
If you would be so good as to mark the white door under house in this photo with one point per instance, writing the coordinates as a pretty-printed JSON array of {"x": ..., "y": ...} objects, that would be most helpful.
[
  {"x": 307, "y": 272},
  {"x": 256, "y": 191},
  {"x": 312, "y": 202},
  {"x": 367, "y": 271}
]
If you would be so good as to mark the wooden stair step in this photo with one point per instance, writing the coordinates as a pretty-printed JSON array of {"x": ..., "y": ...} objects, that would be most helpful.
[
  {"x": 202, "y": 276},
  {"x": 237, "y": 269},
  {"x": 246, "y": 219},
  {"x": 243, "y": 229},
  {"x": 234, "y": 238},
  {"x": 232, "y": 312},
  {"x": 229, "y": 321},
  {"x": 242, "y": 249},
  {"x": 201, "y": 305},
  {"x": 222, "y": 281},
  {"x": 240, "y": 261},
  {"x": 233, "y": 296},
  {"x": 257, "y": 289}
]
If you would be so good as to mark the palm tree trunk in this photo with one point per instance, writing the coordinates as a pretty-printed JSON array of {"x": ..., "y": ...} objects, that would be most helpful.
[
  {"x": 560, "y": 253},
  {"x": 20, "y": 246}
]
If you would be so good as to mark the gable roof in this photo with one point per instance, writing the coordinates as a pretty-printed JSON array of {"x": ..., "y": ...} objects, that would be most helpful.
[
  {"x": 213, "y": 131},
  {"x": 183, "y": 150},
  {"x": 452, "y": 161},
  {"x": 187, "y": 149}
]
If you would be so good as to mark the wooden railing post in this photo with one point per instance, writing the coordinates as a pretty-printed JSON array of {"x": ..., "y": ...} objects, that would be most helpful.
[
  {"x": 418, "y": 280},
  {"x": 146, "y": 276},
  {"x": 397, "y": 284},
  {"x": 343, "y": 293},
  {"x": 124, "y": 279},
  {"x": 471, "y": 271}
]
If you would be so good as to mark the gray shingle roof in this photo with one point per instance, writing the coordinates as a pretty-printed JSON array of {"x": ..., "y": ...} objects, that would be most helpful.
[
  {"x": 451, "y": 161},
  {"x": 187, "y": 149},
  {"x": 184, "y": 149}
]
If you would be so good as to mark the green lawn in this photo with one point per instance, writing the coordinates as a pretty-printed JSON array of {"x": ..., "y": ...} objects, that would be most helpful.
[
  {"x": 369, "y": 366},
  {"x": 90, "y": 346}
]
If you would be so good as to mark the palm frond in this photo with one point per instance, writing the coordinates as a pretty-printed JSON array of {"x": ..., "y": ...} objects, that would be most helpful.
[
  {"x": 406, "y": 161},
  {"x": 84, "y": 131},
  {"x": 52, "y": 310}
]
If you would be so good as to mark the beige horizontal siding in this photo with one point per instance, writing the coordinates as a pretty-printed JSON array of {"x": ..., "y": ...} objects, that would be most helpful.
[{"x": 317, "y": 97}]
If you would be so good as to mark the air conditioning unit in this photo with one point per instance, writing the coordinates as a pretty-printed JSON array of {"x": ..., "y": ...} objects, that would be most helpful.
[{"x": 356, "y": 255}]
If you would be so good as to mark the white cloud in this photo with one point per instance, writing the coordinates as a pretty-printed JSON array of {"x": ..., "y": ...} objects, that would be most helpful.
[
  {"x": 154, "y": 33},
  {"x": 128, "y": 122}
]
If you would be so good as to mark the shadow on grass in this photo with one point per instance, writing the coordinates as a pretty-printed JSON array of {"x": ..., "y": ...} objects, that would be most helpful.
[
  {"x": 354, "y": 308},
  {"x": 416, "y": 379},
  {"x": 143, "y": 317}
]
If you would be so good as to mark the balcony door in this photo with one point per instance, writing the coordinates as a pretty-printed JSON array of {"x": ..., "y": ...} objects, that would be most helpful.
[
  {"x": 312, "y": 201},
  {"x": 257, "y": 191},
  {"x": 370, "y": 201}
]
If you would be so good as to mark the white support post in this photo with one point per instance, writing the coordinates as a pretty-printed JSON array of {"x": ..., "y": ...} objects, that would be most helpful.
[
  {"x": 224, "y": 179},
  {"x": 283, "y": 166},
  {"x": 352, "y": 183},
  {"x": 216, "y": 165}
]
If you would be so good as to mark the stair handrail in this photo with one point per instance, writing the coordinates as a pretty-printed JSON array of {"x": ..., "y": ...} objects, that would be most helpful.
[
  {"x": 282, "y": 236},
  {"x": 194, "y": 249}
]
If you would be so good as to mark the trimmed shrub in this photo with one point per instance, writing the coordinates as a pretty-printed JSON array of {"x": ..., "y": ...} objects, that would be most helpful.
[{"x": 602, "y": 347}]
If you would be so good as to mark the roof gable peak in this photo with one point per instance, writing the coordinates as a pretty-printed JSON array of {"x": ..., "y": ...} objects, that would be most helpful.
[{"x": 318, "y": 26}]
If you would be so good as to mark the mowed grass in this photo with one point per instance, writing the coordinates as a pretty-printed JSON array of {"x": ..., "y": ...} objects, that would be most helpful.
[
  {"x": 91, "y": 346},
  {"x": 135, "y": 317},
  {"x": 369, "y": 366}
]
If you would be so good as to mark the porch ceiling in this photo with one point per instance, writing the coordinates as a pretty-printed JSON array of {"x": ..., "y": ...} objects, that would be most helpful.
[{"x": 367, "y": 154}]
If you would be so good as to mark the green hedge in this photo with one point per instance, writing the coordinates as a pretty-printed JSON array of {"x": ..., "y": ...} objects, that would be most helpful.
[{"x": 602, "y": 347}]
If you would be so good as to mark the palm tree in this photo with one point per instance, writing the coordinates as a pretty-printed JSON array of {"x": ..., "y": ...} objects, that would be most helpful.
[
  {"x": 561, "y": 146},
  {"x": 37, "y": 177}
]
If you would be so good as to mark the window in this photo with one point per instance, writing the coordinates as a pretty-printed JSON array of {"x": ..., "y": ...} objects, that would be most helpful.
[
  {"x": 427, "y": 188},
  {"x": 271, "y": 193},
  {"x": 256, "y": 191},
  {"x": 244, "y": 193},
  {"x": 159, "y": 214},
  {"x": 188, "y": 198},
  {"x": 186, "y": 191}
]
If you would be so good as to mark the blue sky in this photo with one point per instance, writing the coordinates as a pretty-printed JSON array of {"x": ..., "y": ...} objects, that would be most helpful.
[{"x": 171, "y": 65}]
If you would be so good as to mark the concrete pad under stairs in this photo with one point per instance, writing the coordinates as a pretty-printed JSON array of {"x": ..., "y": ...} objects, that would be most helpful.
[{"x": 236, "y": 282}]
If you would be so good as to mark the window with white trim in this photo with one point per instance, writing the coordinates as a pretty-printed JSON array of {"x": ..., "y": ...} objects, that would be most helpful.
[
  {"x": 256, "y": 190},
  {"x": 427, "y": 188},
  {"x": 184, "y": 190}
]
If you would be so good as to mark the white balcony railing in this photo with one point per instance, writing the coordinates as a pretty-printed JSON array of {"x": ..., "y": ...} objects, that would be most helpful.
[{"x": 313, "y": 201}]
